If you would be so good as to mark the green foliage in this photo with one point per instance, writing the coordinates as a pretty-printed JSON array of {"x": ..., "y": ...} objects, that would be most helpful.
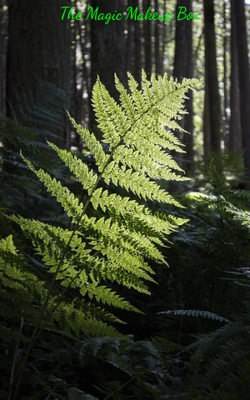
[
  {"x": 112, "y": 247},
  {"x": 195, "y": 314},
  {"x": 112, "y": 235},
  {"x": 223, "y": 355},
  {"x": 70, "y": 282},
  {"x": 141, "y": 369},
  {"x": 19, "y": 191},
  {"x": 44, "y": 114},
  {"x": 213, "y": 274}
]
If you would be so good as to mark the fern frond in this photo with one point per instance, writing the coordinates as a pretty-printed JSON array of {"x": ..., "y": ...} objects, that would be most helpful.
[
  {"x": 195, "y": 314},
  {"x": 7, "y": 245},
  {"x": 107, "y": 296},
  {"x": 112, "y": 237}
]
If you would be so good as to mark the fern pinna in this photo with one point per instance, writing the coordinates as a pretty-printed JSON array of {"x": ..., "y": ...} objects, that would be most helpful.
[{"x": 112, "y": 237}]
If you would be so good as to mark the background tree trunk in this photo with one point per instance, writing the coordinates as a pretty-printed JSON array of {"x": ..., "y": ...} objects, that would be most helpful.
[
  {"x": 37, "y": 52},
  {"x": 211, "y": 79},
  {"x": 189, "y": 118},
  {"x": 235, "y": 123},
  {"x": 163, "y": 39},
  {"x": 129, "y": 43},
  {"x": 207, "y": 127},
  {"x": 157, "y": 42},
  {"x": 137, "y": 31},
  {"x": 244, "y": 81},
  {"x": 107, "y": 41},
  {"x": 84, "y": 104},
  {"x": 107, "y": 48},
  {"x": 225, "y": 77},
  {"x": 147, "y": 25},
  {"x": 3, "y": 23},
  {"x": 181, "y": 43},
  {"x": 183, "y": 68}
]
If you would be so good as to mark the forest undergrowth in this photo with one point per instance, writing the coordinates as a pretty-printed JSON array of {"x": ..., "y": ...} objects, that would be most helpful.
[{"x": 111, "y": 287}]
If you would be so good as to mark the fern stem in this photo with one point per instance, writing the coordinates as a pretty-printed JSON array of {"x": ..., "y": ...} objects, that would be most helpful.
[
  {"x": 14, "y": 361},
  {"x": 60, "y": 296},
  {"x": 120, "y": 388},
  {"x": 128, "y": 382}
]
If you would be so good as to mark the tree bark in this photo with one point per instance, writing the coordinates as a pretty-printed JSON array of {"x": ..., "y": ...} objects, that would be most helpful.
[
  {"x": 207, "y": 127},
  {"x": 129, "y": 44},
  {"x": 164, "y": 39},
  {"x": 148, "y": 39},
  {"x": 157, "y": 42},
  {"x": 137, "y": 31},
  {"x": 189, "y": 118},
  {"x": 181, "y": 43},
  {"x": 2, "y": 58},
  {"x": 107, "y": 46},
  {"x": 183, "y": 68},
  {"x": 244, "y": 81},
  {"x": 235, "y": 122},
  {"x": 225, "y": 76},
  {"x": 39, "y": 50},
  {"x": 211, "y": 78},
  {"x": 83, "y": 33}
]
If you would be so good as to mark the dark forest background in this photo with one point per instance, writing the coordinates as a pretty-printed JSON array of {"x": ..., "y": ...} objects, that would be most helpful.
[
  {"x": 38, "y": 48},
  {"x": 191, "y": 340}
]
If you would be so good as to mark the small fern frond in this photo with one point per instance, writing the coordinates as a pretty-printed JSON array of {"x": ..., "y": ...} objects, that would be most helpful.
[
  {"x": 7, "y": 245},
  {"x": 195, "y": 314}
]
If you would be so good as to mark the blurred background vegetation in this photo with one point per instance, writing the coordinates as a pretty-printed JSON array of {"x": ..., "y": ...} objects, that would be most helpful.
[{"x": 42, "y": 56}]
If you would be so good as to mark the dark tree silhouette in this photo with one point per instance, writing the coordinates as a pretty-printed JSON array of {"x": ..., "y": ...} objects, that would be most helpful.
[
  {"x": 212, "y": 103},
  {"x": 148, "y": 39},
  {"x": 39, "y": 49},
  {"x": 235, "y": 122},
  {"x": 244, "y": 81}
]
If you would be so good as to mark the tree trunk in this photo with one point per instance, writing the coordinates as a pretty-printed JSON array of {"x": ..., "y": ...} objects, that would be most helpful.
[
  {"x": 235, "y": 123},
  {"x": 75, "y": 100},
  {"x": 137, "y": 30},
  {"x": 164, "y": 39},
  {"x": 183, "y": 68},
  {"x": 148, "y": 39},
  {"x": 181, "y": 43},
  {"x": 39, "y": 51},
  {"x": 107, "y": 46},
  {"x": 244, "y": 81},
  {"x": 157, "y": 42},
  {"x": 225, "y": 75},
  {"x": 189, "y": 118},
  {"x": 129, "y": 44},
  {"x": 211, "y": 78},
  {"x": 2, "y": 58},
  {"x": 84, "y": 102},
  {"x": 207, "y": 127}
]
